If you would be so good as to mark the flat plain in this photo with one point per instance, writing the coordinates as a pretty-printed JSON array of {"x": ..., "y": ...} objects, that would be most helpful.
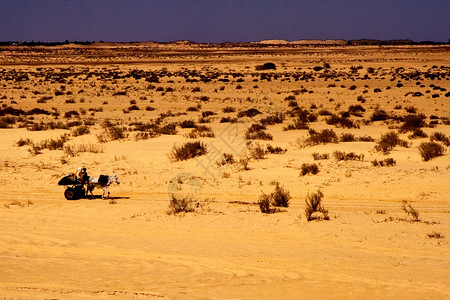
[{"x": 367, "y": 126}]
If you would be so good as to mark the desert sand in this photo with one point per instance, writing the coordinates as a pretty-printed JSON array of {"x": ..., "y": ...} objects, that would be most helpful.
[{"x": 133, "y": 246}]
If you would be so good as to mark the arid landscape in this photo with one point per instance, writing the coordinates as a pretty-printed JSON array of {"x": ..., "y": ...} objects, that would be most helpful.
[{"x": 247, "y": 171}]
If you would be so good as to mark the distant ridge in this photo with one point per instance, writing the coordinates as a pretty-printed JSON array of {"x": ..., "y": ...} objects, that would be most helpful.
[
  {"x": 305, "y": 42},
  {"x": 269, "y": 42}
]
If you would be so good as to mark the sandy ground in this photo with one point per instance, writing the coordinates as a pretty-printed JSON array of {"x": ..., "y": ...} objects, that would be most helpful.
[{"x": 130, "y": 247}]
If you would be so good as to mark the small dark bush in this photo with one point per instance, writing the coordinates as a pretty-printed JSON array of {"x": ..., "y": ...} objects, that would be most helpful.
[
  {"x": 413, "y": 122},
  {"x": 318, "y": 156},
  {"x": 38, "y": 127},
  {"x": 201, "y": 131},
  {"x": 228, "y": 109},
  {"x": 255, "y": 132},
  {"x": 188, "y": 124},
  {"x": 365, "y": 138},
  {"x": 228, "y": 120},
  {"x": 276, "y": 118},
  {"x": 266, "y": 66},
  {"x": 309, "y": 169},
  {"x": 339, "y": 155},
  {"x": 280, "y": 196},
  {"x": 264, "y": 204},
  {"x": 324, "y": 112},
  {"x": 429, "y": 150},
  {"x": 411, "y": 109},
  {"x": 379, "y": 115},
  {"x": 417, "y": 134},
  {"x": 226, "y": 159},
  {"x": 177, "y": 205},
  {"x": 385, "y": 162},
  {"x": 207, "y": 113},
  {"x": 347, "y": 137},
  {"x": 341, "y": 121},
  {"x": 187, "y": 151},
  {"x": 249, "y": 113},
  {"x": 112, "y": 133},
  {"x": 24, "y": 142},
  {"x": 275, "y": 150},
  {"x": 81, "y": 130},
  {"x": 71, "y": 113}
]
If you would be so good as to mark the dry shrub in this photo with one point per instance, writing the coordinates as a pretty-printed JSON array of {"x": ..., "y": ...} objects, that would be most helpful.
[
  {"x": 81, "y": 130},
  {"x": 276, "y": 118},
  {"x": 323, "y": 137},
  {"x": 112, "y": 133},
  {"x": 388, "y": 141},
  {"x": 385, "y": 162},
  {"x": 264, "y": 204},
  {"x": 228, "y": 109},
  {"x": 266, "y": 66},
  {"x": 188, "y": 124},
  {"x": 226, "y": 159},
  {"x": 187, "y": 151},
  {"x": 429, "y": 150},
  {"x": 410, "y": 211},
  {"x": 278, "y": 198},
  {"x": 435, "y": 235},
  {"x": 201, "y": 131},
  {"x": 309, "y": 169},
  {"x": 318, "y": 156},
  {"x": 340, "y": 155},
  {"x": 24, "y": 142},
  {"x": 313, "y": 205},
  {"x": 257, "y": 151},
  {"x": 417, "y": 134},
  {"x": 441, "y": 137},
  {"x": 275, "y": 150},
  {"x": 341, "y": 120},
  {"x": 256, "y": 132},
  {"x": 73, "y": 150},
  {"x": 242, "y": 163},
  {"x": 178, "y": 205},
  {"x": 413, "y": 122}
]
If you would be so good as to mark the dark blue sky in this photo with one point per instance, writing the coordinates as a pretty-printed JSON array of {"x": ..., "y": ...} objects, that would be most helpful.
[{"x": 223, "y": 20}]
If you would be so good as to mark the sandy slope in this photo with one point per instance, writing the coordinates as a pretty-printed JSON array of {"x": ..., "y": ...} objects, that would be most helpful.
[{"x": 227, "y": 249}]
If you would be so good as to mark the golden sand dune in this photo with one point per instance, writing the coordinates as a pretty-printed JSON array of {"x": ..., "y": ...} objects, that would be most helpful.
[{"x": 127, "y": 110}]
